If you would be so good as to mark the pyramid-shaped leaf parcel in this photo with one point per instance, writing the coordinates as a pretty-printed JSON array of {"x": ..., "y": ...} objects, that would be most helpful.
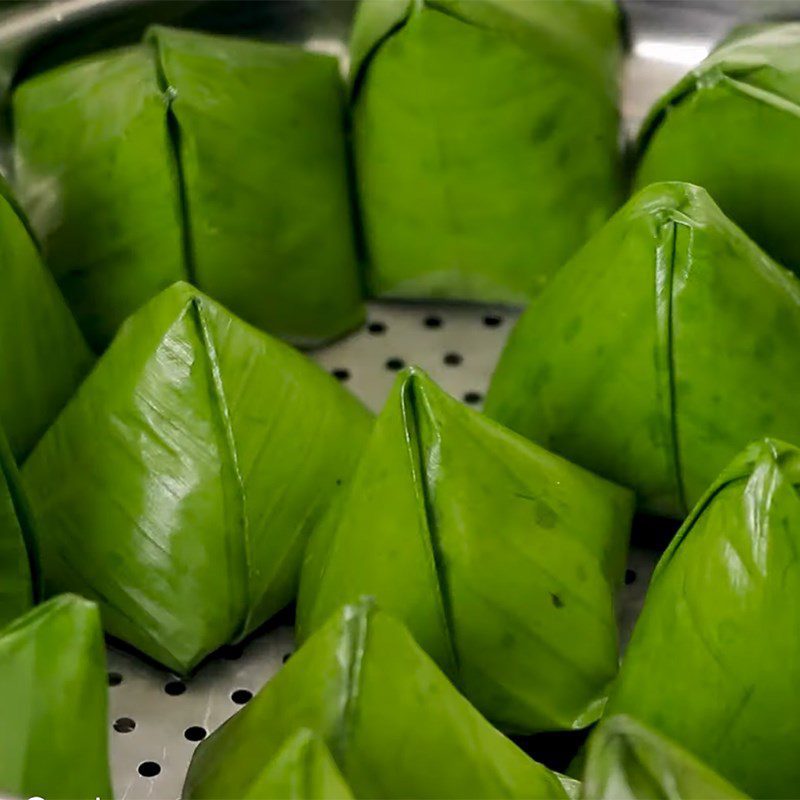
[
  {"x": 391, "y": 720},
  {"x": 714, "y": 661},
  {"x": 179, "y": 485},
  {"x": 659, "y": 351},
  {"x": 501, "y": 558},
  {"x": 53, "y": 736}
]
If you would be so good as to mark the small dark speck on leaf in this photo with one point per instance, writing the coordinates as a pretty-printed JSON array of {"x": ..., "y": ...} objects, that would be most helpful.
[{"x": 557, "y": 601}]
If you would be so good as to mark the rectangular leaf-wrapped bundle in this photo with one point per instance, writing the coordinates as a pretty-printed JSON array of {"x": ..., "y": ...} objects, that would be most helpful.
[{"x": 194, "y": 157}]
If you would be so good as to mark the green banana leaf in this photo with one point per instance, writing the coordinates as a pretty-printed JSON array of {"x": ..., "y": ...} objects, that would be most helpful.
[
  {"x": 19, "y": 562},
  {"x": 54, "y": 737},
  {"x": 194, "y": 157},
  {"x": 658, "y": 352},
  {"x": 43, "y": 356},
  {"x": 391, "y": 720},
  {"x": 303, "y": 769},
  {"x": 714, "y": 661},
  {"x": 732, "y": 125},
  {"x": 502, "y": 559},
  {"x": 485, "y": 141},
  {"x": 629, "y": 761},
  {"x": 179, "y": 485}
]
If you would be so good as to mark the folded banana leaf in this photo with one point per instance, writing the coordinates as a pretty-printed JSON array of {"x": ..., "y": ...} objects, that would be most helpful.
[
  {"x": 658, "y": 352},
  {"x": 43, "y": 356},
  {"x": 485, "y": 139},
  {"x": 629, "y": 761},
  {"x": 194, "y": 157},
  {"x": 391, "y": 720},
  {"x": 732, "y": 125},
  {"x": 53, "y": 738},
  {"x": 714, "y": 661},
  {"x": 501, "y": 558},
  {"x": 19, "y": 572},
  {"x": 179, "y": 485},
  {"x": 303, "y": 769}
]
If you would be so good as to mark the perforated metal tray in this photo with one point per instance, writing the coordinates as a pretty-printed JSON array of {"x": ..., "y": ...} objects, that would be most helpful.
[{"x": 156, "y": 719}]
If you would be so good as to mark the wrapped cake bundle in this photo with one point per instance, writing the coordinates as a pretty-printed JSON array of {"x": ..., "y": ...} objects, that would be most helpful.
[
  {"x": 629, "y": 761},
  {"x": 663, "y": 347},
  {"x": 714, "y": 662},
  {"x": 485, "y": 141},
  {"x": 732, "y": 125},
  {"x": 501, "y": 559},
  {"x": 392, "y": 722},
  {"x": 43, "y": 356},
  {"x": 194, "y": 157},
  {"x": 180, "y": 483},
  {"x": 53, "y": 737}
]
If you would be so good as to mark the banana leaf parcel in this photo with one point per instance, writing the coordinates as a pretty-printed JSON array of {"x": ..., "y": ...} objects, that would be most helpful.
[
  {"x": 19, "y": 575},
  {"x": 53, "y": 694},
  {"x": 194, "y": 157},
  {"x": 303, "y": 769},
  {"x": 43, "y": 356},
  {"x": 714, "y": 661},
  {"x": 392, "y": 721},
  {"x": 502, "y": 559},
  {"x": 732, "y": 125},
  {"x": 178, "y": 486},
  {"x": 485, "y": 138},
  {"x": 629, "y": 761},
  {"x": 654, "y": 356}
]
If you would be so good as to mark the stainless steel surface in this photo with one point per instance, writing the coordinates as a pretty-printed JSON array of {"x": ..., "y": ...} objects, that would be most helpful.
[{"x": 150, "y": 714}]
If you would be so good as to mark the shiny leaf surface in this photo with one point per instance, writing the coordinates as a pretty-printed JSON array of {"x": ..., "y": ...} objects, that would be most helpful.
[
  {"x": 502, "y": 559},
  {"x": 714, "y": 662},
  {"x": 180, "y": 483},
  {"x": 657, "y": 368},
  {"x": 53, "y": 695},
  {"x": 393, "y": 723},
  {"x": 485, "y": 140}
]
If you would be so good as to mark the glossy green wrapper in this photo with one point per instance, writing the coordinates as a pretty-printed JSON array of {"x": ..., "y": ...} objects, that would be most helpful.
[
  {"x": 43, "y": 356},
  {"x": 629, "y": 761},
  {"x": 485, "y": 139},
  {"x": 502, "y": 559},
  {"x": 53, "y": 695},
  {"x": 665, "y": 346},
  {"x": 714, "y": 661},
  {"x": 303, "y": 769},
  {"x": 393, "y": 723},
  {"x": 179, "y": 485},
  {"x": 732, "y": 125},
  {"x": 194, "y": 157}
]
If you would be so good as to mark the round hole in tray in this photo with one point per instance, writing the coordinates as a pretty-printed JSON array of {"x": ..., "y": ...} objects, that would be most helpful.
[
  {"x": 242, "y": 696},
  {"x": 473, "y": 398},
  {"x": 376, "y": 328},
  {"x": 195, "y": 733},
  {"x": 149, "y": 769},
  {"x": 124, "y": 725},
  {"x": 175, "y": 688},
  {"x": 492, "y": 320},
  {"x": 114, "y": 678},
  {"x": 630, "y": 576},
  {"x": 432, "y": 322},
  {"x": 453, "y": 359},
  {"x": 341, "y": 374},
  {"x": 395, "y": 364}
]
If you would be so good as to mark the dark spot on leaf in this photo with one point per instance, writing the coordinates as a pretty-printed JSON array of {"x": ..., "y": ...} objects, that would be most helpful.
[{"x": 557, "y": 601}]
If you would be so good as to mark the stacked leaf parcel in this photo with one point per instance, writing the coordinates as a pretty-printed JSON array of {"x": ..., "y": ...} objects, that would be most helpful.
[
  {"x": 502, "y": 559},
  {"x": 655, "y": 370},
  {"x": 731, "y": 125},
  {"x": 178, "y": 486},
  {"x": 485, "y": 138},
  {"x": 193, "y": 157},
  {"x": 391, "y": 722}
]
